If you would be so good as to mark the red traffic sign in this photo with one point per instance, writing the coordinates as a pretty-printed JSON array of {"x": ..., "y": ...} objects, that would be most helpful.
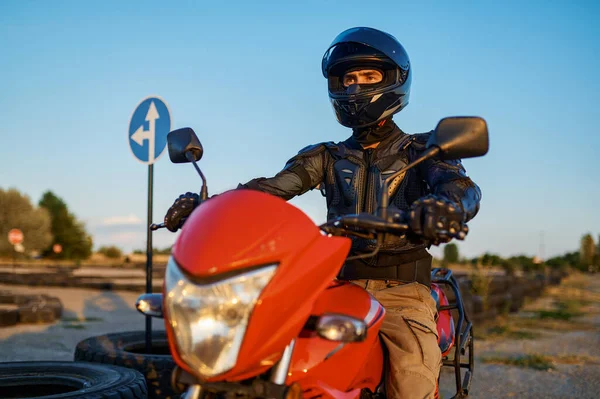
[
  {"x": 15, "y": 236},
  {"x": 57, "y": 248}
]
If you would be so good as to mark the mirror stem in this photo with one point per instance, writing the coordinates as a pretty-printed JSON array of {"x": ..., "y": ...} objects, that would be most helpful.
[
  {"x": 204, "y": 189},
  {"x": 385, "y": 194}
]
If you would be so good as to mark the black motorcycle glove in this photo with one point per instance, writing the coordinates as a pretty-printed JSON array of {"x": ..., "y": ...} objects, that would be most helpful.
[
  {"x": 437, "y": 219},
  {"x": 181, "y": 208}
]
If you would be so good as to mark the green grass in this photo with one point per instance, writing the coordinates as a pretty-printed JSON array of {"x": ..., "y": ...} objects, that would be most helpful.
[
  {"x": 539, "y": 362},
  {"x": 503, "y": 329},
  {"x": 509, "y": 332},
  {"x": 74, "y": 326},
  {"x": 555, "y": 314},
  {"x": 564, "y": 310},
  {"x": 553, "y": 325},
  {"x": 536, "y": 362},
  {"x": 80, "y": 319}
]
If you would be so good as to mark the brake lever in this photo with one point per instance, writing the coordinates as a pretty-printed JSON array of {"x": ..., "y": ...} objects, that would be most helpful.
[
  {"x": 340, "y": 231},
  {"x": 155, "y": 226}
]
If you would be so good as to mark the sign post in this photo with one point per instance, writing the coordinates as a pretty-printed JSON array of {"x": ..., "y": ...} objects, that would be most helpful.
[
  {"x": 148, "y": 129},
  {"x": 15, "y": 238}
]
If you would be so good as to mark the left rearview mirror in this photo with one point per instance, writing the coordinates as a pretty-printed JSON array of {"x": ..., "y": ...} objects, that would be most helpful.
[
  {"x": 184, "y": 144},
  {"x": 150, "y": 305}
]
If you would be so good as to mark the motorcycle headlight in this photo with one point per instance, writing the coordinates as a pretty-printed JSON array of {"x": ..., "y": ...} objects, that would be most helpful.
[{"x": 209, "y": 320}]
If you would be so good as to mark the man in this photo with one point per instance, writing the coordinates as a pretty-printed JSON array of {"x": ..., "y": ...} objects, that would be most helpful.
[{"x": 369, "y": 77}]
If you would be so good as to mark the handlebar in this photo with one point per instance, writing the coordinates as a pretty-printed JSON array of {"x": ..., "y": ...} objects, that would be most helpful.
[
  {"x": 358, "y": 224},
  {"x": 364, "y": 224}
]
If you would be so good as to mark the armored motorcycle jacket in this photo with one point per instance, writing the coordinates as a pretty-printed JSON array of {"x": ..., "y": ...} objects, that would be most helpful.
[{"x": 351, "y": 179}]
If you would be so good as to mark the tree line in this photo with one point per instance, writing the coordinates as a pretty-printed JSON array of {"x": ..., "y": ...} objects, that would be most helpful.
[
  {"x": 586, "y": 259},
  {"x": 47, "y": 223},
  {"x": 51, "y": 222},
  {"x": 114, "y": 252}
]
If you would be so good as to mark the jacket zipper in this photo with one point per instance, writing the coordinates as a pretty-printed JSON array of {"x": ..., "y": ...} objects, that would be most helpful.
[{"x": 369, "y": 181}]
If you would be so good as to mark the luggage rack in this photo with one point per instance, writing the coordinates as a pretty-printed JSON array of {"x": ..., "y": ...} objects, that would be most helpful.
[{"x": 463, "y": 334}]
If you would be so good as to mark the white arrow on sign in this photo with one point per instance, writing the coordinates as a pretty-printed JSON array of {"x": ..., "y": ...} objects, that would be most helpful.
[{"x": 140, "y": 134}]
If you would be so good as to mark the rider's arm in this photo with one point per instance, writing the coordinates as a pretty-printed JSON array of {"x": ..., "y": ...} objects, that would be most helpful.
[
  {"x": 449, "y": 179},
  {"x": 301, "y": 173}
]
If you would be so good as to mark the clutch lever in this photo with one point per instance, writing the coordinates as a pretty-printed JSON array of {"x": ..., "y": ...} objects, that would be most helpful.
[{"x": 155, "y": 226}]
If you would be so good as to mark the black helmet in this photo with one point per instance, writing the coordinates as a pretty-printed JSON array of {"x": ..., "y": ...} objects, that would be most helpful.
[{"x": 360, "y": 48}]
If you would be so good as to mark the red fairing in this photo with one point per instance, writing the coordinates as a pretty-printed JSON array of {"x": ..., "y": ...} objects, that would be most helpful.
[
  {"x": 316, "y": 359},
  {"x": 241, "y": 228},
  {"x": 245, "y": 228}
]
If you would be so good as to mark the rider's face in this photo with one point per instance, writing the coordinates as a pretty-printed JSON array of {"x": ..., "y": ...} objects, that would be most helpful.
[{"x": 362, "y": 77}]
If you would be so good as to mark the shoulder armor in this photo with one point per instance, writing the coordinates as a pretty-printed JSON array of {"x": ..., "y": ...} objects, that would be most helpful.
[
  {"x": 310, "y": 151},
  {"x": 419, "y": 140},
  {"x": 315, "y": 149}
]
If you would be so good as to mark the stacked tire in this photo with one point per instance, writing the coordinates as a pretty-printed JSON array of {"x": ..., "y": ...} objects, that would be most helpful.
[
  {"x": 70, "y": 380},
  {"x": 128, "y": 349},
  {"x": 28, "y": 309}
]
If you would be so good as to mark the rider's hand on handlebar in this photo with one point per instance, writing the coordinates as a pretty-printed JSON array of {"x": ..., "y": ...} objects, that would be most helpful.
[
  {"x": 437, "y": 220},
  {"x": 181, "y": 208}
]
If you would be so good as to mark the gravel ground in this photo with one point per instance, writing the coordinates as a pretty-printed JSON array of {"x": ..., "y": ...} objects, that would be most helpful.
[
  {"x": 108, "y": 311},
  {"x": 578, "y": 337}
]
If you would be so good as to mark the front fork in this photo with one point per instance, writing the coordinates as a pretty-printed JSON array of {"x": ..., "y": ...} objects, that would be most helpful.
[
  {"x": 277, "y": 378},
  {"x": 192, "y": 392}
]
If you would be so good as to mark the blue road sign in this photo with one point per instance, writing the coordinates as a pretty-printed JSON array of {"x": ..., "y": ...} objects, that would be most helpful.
[{"x": 148, "y": 129}]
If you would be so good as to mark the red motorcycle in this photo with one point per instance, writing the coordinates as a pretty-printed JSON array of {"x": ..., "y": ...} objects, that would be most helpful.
[{"x": 251, "y": 302}]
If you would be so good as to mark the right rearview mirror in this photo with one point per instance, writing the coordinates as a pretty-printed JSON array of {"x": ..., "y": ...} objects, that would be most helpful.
[
  {"x": 460, "y": 137},
  {"x": 182, "y": 142}
]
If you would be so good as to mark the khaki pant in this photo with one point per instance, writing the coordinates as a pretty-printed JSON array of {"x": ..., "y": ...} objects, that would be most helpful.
[{"x": 410, "y": 335}]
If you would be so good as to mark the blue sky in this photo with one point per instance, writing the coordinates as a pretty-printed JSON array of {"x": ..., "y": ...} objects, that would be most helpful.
[{"x": 246, "y": 76}]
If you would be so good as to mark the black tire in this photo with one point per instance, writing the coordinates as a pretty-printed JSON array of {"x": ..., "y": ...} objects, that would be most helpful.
[
  {"x": 34, "y": 308},
  {"x": 9, "y": 317},
  {"x": 128, "y": 349},
  {"x": 34, "y": 313},
  {"x": 55, "y": 304},
  {"x": 62, "y": 380},
  {"x": 8, "y": 298}
]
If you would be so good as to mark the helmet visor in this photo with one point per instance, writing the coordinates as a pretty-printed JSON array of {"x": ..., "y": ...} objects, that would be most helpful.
[{"x": 379, "y": 41}]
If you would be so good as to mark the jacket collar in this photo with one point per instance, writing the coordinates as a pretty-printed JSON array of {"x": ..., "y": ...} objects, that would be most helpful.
[{"x": 393, "y": 136}]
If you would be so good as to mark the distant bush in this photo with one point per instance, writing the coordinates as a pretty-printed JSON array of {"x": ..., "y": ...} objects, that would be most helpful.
[
  {"x": 480, "y": 282},
  {"x": 451, "y": 254},
  {"x": 509, "y": 267},
  {"x": 156, "y": 251},
  {"x": 164, "y": 251},
  {"x": 111, "y": 252}
]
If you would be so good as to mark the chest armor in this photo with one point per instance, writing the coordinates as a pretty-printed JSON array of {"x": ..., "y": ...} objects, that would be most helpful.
[{"x": 354, "y": 179}]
